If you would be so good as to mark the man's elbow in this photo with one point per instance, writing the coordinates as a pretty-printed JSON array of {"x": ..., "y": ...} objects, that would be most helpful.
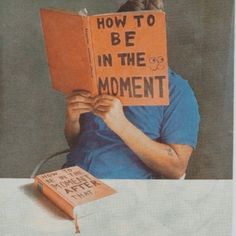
[
  {"x": 177, "y": 172},
  {"x": 183, "y": 154}
]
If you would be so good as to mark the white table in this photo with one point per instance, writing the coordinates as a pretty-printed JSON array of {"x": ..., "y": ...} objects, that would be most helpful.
[{"x": 143, "y": 207}]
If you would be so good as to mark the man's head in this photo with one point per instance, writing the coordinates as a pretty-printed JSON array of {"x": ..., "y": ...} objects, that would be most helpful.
[{"x": 141, "y": 5}]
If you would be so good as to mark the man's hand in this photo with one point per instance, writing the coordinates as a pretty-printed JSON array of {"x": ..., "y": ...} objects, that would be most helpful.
[
  {"x": 110, "y": 109},
  {"x": 77, "y": 104}
]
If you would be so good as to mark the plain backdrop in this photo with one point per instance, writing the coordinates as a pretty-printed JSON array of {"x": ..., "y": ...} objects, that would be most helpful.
[{"x": 200, "y": 48}]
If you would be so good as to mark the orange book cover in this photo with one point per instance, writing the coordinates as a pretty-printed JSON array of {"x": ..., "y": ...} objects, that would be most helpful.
[
  {"x": 71, "y": 187},
  {"x": 121, "y": 54}
]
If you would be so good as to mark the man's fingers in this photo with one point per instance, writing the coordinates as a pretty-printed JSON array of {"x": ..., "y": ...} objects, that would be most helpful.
[
  {"x": 104, "y": 96},
  {"x": 82, "y": 111},
  {"x": 80, "y": 95},
  {"x": 102, "y": 102},
  {"x": 80, "y": 106},
  {"x": 83, "y": 93},
  {"x": 102, "y": 108},
  {"x": 80, "y": 99}
]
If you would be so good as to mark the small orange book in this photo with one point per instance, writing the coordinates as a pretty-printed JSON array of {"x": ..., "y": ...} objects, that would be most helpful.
[
  {"x": 70, "y": 187},
  {"x": 121, "y": 54}
]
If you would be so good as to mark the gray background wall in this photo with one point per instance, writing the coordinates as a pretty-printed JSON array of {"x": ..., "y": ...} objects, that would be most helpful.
[{"x": 200, "y": 39}]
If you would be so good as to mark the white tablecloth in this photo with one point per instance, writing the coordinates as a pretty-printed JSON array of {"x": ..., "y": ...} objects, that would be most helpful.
[{"x": 142, "y": 207}]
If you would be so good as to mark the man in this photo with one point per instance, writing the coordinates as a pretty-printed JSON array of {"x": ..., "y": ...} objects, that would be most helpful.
[{"x": 112, "y": 141}]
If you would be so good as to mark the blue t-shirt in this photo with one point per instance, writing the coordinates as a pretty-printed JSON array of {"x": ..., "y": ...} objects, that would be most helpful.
[{"x": 102, "y": 153}]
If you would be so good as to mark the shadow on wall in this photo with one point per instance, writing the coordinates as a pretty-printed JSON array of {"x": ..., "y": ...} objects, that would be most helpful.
[
  {"x": 1, "y": 93},
  {"x": 201, "y": 34}
]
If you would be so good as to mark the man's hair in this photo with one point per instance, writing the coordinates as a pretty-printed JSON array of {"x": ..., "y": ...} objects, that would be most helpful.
[{"x": 141, "y": 5}]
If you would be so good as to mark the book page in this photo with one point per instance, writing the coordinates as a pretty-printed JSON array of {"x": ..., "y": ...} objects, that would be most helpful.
[
  {"x": 130, "y": 54},
  {"x": 67, "y": 50}
]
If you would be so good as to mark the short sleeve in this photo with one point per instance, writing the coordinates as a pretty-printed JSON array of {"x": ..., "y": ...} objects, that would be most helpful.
[{"x": 181, "y": 117}]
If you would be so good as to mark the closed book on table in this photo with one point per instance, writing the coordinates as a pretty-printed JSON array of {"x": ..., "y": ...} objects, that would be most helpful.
[{"x": 71, "y": 187}]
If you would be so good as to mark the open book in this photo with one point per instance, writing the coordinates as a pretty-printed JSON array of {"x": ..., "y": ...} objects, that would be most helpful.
[{"x": 121, "y": 54}]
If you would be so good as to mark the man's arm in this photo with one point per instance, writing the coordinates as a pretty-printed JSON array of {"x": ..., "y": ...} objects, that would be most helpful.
[
  {"x": 170, "y": 160},
  {"x": 77, "y": 104},
  {"x": 71, "y": 131}
]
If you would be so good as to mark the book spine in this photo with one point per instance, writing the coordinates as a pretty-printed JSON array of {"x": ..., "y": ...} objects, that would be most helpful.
[
  {"x": 56, "y": 198},
  {"x": 88, "y": 39}
]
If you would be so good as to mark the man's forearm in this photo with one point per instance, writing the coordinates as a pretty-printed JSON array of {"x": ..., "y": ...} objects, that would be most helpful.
[
  {"x": 157, "y": 156},
  {"x": 72, "y": 130}
]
